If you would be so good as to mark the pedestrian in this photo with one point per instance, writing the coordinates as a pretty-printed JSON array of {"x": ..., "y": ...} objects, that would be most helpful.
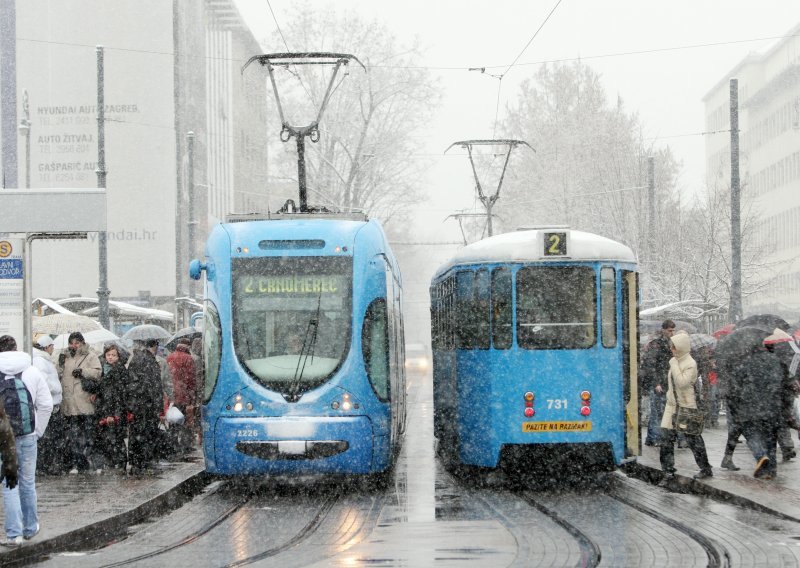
[
  {"x": 784, "y": 347},
  {"x": 181, "y": 368},
  {"x": 28, "y": 387},
  {"x": 730, "y": 353},
  {"x": 682, "y": 389},
  {"x": 80, "y": 372},
  {"x": 8, "y": 459},
  {"x": 111, "y": 409},
  {"x": 145, "y": 398},
  {"x": 757, "y": 389},
  {"x": 50, "y": 459},
  {"x": 655, "y": 365}
]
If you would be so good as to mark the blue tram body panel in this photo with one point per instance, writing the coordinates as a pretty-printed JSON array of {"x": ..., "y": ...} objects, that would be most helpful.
[
  {"x": 290, "y": 300},
  {"x": 536, "y": 352}
]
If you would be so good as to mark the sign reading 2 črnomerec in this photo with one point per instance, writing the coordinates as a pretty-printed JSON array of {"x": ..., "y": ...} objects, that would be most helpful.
[{"x": 11, "y": 288}]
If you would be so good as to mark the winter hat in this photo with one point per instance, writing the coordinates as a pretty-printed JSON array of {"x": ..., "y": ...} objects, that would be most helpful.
[{"x": 44, "y": 341}]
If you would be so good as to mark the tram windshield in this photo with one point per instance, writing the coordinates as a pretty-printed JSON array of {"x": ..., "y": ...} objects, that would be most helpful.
[
  {"x": 556, "y": 307},
  {"x": 291, "y": 319}
]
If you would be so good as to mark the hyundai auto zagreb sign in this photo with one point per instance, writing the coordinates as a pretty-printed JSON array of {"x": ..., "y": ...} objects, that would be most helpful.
[{"x": 11, "y": 288}]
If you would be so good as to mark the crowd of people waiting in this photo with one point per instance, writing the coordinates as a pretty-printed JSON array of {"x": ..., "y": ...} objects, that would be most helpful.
[
  {"x": 110, "y": 408},
  {"x": 750, "y": 374},
  {"x": 88, "y": 412}
]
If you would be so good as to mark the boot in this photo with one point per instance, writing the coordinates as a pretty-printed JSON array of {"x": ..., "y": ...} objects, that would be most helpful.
[{"x": 727, "y": 463}]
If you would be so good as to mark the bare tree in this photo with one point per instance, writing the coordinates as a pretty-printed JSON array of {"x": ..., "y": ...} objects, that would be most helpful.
[{"x": 366, "y": 155}]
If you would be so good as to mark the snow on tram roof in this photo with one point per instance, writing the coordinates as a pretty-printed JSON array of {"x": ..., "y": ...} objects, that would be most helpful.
[{"x": 528, "y": 245}]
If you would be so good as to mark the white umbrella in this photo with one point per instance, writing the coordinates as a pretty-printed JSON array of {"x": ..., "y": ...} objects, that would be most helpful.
[
  {"x": 145, "y": 332},
  {"x": 56, "y": 324},
  {"x": 90, "y": 337}
]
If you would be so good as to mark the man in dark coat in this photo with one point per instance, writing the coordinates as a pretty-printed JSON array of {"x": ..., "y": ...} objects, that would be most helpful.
[
  {"x": 655, "y": 366},
  {"x": 756, "y": 390},
  {"x": 145, "y": 403}
]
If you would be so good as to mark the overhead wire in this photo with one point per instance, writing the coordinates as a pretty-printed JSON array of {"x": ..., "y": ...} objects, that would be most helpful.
[{"x": 503, "y": 74}]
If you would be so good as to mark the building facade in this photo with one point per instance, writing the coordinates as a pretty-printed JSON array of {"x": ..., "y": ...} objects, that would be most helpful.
[
  {"x": 174, "y": 97},
  {"x": 769, "y": 125}
]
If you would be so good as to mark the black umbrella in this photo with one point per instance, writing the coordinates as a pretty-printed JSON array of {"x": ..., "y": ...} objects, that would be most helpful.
[
  {"x": 735, "y": 347},
  {"x": 189, "y": 333},
  {"x": 767, "y": 322}
]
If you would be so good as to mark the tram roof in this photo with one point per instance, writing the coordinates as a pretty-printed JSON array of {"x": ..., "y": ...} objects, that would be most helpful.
[{"x": 528, "y": 245}]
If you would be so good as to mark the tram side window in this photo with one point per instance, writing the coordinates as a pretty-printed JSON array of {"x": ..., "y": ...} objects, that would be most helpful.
[
  {"x": 212, "y": 349},
  {"x": 556, "y": 307},
  {"x": 375, "y": 346},
  {"x": 480, "y": 306},
  {"x": 608, "y": 306},
  {"x": 450, "y": 314},
  {"x": 501, "y": 308},
  {"x": 464, "y": 315}
]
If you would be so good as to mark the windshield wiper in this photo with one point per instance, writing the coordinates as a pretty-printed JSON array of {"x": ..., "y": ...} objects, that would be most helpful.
[{"x": 309, "y": 342}]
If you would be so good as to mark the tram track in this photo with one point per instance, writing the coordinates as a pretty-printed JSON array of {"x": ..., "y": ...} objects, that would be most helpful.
[
  {"x": 590, "y": 550},
  {"x": 188, "y": 539},
  {"x": 718, "y": 555},
  {"x": 304, "y": 533}
]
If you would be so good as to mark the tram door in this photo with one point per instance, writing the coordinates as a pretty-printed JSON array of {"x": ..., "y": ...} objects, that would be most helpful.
[{"x": 630, "y": 346}]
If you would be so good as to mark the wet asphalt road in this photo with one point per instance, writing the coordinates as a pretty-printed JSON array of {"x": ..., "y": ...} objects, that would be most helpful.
[{"x": 430, "y": 518}]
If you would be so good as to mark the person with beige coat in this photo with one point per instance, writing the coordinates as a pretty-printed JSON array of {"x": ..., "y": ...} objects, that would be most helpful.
[
  {"x": 80, "y": 372},
  {"x": 681, "y": 391}
]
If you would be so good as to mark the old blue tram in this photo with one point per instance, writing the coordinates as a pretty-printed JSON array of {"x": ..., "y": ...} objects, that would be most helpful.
[
  {"x": 303, "y": 345},
  {"x": 534, "y": 337}
]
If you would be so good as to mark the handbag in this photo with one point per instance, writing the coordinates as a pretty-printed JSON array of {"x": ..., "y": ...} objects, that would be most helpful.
[{"x": 690, "y": 421}]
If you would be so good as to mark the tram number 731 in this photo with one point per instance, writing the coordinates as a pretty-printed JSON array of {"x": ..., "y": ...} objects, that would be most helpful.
[{"x": 556, "y": 404}]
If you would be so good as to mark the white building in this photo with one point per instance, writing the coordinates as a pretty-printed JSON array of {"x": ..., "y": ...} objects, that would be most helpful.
[
  {"x": 170, "y": 68},
  {"x": 769, "y": 124}
]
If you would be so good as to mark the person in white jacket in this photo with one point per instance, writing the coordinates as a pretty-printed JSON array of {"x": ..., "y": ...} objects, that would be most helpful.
[
  {"x": 51, "y": 452},
  {"x": 42, "y": 353},
  {"x": 21, "y": 515},
  {"x": 681, "y": 392}
]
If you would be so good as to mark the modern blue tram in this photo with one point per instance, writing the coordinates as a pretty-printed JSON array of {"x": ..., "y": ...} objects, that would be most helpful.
[
  {"x": 534, "y": 337},
  {"x": 303, "y": 346}
]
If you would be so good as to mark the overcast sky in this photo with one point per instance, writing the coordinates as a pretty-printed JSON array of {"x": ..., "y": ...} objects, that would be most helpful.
[{"x": 661, "y": 58}]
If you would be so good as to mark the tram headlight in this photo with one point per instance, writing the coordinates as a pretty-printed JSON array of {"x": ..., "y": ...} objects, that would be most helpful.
[
  {"x": 238, "y": 403},
  {"x": 345, "y": 404}
]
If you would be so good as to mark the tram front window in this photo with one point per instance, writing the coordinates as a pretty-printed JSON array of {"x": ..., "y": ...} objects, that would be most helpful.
[
  {"x": 291, "y": 319},
  {"x": 556, "y": 307}
]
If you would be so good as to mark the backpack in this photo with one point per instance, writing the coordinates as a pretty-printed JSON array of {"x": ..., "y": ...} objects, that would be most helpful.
[{"x": 19, "y": 404}]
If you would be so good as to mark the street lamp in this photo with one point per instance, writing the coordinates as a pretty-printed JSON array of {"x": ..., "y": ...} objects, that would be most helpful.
[{"x": 25, "y": 130}]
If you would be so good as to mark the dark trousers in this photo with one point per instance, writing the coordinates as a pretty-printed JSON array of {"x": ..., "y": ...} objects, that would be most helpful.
[
  {"x": 110, "y": 444},
  {"x": 52, "y": 447},
  {"x": 80, "y": 452},
  {"x": 144, "y": 439},
  {"x": 667, "y": 451},
  {"x": 762, "y": 439},
  {"x": 734, "y": 429},
  {"x": 657, "y": 404}
]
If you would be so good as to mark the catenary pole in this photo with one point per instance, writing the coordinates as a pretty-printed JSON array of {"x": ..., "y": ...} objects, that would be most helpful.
[
  {"x": 190, "y": 191},
  {"x": 102, "y": 291},
  {"x": 736, "y": 229}
]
